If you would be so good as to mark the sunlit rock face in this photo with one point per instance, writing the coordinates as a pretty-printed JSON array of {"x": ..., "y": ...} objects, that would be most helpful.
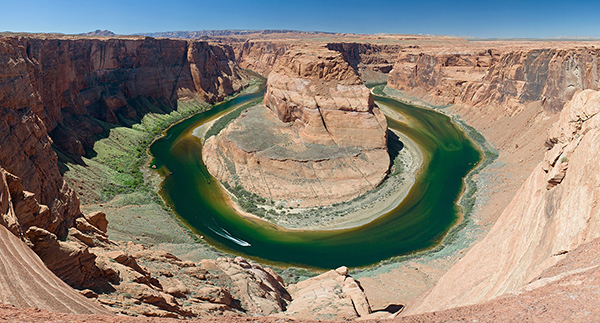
[{"x": 320, "y": 141}]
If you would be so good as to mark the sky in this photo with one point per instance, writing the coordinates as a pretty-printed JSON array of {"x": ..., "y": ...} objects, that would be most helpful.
[{"x": 488, "y": 19}]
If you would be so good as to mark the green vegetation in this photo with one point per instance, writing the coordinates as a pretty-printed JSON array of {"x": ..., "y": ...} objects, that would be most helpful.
[
  {"x": 116, "y": 162},
  {"x": 249, "y": 201},
  {"x": 460, "y": 235},
  {"x": 293, "y": 275},
  {"x": 222, "y": 122}
]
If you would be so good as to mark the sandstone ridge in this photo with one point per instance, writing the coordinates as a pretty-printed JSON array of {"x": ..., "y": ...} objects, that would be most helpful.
[
  {"x": 554, "y": 212},
  {"x": 323, "y": 141}
]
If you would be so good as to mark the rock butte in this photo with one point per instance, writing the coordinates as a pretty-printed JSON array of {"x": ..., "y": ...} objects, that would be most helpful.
[
  {"x": 536, "y": 263},
  {"x": 323, "y": 142}
]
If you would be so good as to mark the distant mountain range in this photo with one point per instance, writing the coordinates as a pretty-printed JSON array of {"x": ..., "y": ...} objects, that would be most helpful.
[
  {"x": 231, "y": 32},
  {"x": 99, "y": 32},
  {"x": 227, "y": 32}
]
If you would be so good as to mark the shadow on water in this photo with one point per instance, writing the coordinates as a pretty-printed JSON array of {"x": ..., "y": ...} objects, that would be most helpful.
[{"x": 395, "y": 146}]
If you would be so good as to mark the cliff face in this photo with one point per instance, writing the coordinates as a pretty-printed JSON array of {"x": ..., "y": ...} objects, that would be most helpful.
[
  {"x": 440, "y": 78},
  {"x": 64, "y": 81},
  {"x": 486, "y": 78},
  {"x": 554, "y": 212},
  {"x": 259, "y": 56},
  {"x": 31, "y": 165},
  {"x": 372, "y": 62},
  {"x": 324, "y": 140},
  {"x": 62, "y": 87},
  {"x": 327, "y": 98},
  {"x": 550, "y": 76},
  {"x": 65, "y": 89}
]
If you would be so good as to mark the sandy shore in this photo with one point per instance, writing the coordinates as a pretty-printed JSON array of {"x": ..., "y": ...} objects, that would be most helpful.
[
  {"x": 382, "y": 200},
  {"x": 359, "y": 212}
]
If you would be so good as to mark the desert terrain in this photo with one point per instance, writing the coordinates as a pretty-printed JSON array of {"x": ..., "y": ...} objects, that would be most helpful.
[{"x": 80, "y": 195}]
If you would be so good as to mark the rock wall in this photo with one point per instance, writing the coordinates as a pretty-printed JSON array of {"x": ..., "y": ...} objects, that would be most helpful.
[
  {"x": 321, "y": 92},
  {"x": 259, "y": 56},
  {"x": 31, "y": 165},
  {"x": 440, "y": 78},
  {"x": 554, "y": 212},
  {"x": 550, "y": 76},
  {"x": 62, "y": 87},
  {"x": 491, "y": 78},
  {"x": 323, "y": 142},
  {"x": 372, "y": 62},
  {"x": 65, "y": 80},
  {"x": 65, "y": 88}
]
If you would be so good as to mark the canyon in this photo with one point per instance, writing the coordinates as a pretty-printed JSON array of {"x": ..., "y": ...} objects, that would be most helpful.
[{"x": 535, "y": 102}]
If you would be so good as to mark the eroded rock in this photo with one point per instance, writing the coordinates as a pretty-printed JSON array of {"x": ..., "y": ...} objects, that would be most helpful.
[
  {"x": 323, "y": 142},
  {"x": 331, "y": 295}
]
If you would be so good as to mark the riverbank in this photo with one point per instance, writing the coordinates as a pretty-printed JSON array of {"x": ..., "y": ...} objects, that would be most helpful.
[
  {"x": 358, "y": 212},
  {"x": 489, "y": 189},
  {"x": 406, "y": 161},
  {"x": 119, "y": 182}
]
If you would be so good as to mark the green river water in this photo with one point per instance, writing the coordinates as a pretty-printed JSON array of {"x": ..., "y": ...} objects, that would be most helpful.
[{"x": 418, "y": 223}]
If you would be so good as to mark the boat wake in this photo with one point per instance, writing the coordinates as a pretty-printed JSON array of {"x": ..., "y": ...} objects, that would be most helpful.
[{"x": 223, "y": 233}]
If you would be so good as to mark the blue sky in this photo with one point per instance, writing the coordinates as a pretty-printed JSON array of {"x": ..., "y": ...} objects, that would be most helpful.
[{"x": 470, "y": 18}]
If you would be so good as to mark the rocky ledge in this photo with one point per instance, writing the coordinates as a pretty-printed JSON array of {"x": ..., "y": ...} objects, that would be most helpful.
[{"x": 321, "y": 140}]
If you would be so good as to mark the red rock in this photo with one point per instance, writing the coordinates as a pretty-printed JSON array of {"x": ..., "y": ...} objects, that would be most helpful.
[
  {"x": 98, "y": 219},
  {"x": 325, "y": 141}
]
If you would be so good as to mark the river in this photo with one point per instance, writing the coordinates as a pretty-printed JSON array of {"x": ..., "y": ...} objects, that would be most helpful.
[{"x": 420, "y": 222}]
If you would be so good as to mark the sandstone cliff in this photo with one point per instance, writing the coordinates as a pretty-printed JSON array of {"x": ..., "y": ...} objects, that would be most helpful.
[
  {"x": 554, "y": 212},
  {"x": 323, "y": 142},
  {"x": 372, "y": 62},
  {"x": 69, "y": 89},
  {"x": 497, "y": 76},
  {"x": 64, "y": 81},
  {"x": 259, "y": 56},
  {"x": 62, "y": 87},
  {"x": 440, "y": 78}
]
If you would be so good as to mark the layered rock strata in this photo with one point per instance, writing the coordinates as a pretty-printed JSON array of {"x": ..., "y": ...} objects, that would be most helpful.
[
  {"x": 25, "y": 281},
  {"x": 321, "y": 141},
  {"x": 66, "y": 81},
  {"x": 372, "y": 62},
  {"x": 554, "y": 212},
  {"x": 495, "y": 77},
  {"x": 70, "y": 89}
]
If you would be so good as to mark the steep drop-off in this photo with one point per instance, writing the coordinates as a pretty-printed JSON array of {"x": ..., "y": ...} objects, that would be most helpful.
[
  {"x": 64, "y": 94},
  {"x": 554, "y": 212},
  {"x": 497, "y": 77},
  {"x": 372, "y": 62},
  {"x": 68, "y": 87},
  {"x": 323, "y": 142}
]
